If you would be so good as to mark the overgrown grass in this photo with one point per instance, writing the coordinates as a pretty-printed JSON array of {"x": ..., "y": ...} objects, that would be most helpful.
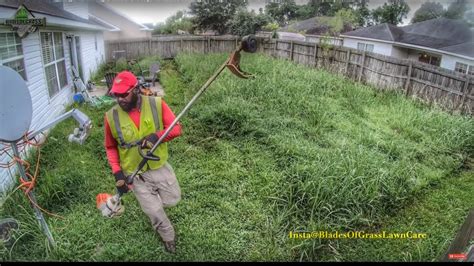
[
  {"x": 438, "y": 212},
  {"x": 294, "y": 149}
]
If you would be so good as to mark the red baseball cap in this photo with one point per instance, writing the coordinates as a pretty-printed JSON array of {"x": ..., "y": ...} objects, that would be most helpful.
[{"x": 123, "y": 82}]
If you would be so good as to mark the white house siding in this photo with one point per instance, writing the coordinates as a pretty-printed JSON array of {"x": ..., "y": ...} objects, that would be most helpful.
[
  {"x": 449, "y": 61},
  {"x": 45, "y": 109},
  {"x": 379, "y": 47},
  {"x": 91, "y": 58},
  {"x": 78, "y": 8}
]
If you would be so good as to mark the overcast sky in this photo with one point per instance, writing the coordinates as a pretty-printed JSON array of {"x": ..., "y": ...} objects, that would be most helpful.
[{"x": 153, "y": 11}]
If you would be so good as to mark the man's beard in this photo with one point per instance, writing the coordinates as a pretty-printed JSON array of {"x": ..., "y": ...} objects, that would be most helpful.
[{"x": 130, "y": 105}]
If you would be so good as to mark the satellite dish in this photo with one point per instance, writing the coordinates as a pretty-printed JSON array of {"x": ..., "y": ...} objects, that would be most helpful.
[{"x": 16, "y": 108}]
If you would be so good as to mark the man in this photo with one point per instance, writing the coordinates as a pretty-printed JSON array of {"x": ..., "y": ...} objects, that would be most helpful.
[{"x": 142, "y": 120}]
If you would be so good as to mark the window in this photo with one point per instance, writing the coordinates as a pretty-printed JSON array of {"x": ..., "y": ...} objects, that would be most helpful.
[
  {"x": 429, "y": 59},
  {"x": 460, "y": 67},
  {"x": 54, "y": 61},
  {"x": 471, "y": 70},
  {"x": 369, "y": 47},
  {"x": 365, "y": 47},
  {"x": 11, "y": 53}
]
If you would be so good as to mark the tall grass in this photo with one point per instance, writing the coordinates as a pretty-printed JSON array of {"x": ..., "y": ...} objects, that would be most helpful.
[
  {"x": 347, "y": 155},
  {"x": 293, "y": 149}
]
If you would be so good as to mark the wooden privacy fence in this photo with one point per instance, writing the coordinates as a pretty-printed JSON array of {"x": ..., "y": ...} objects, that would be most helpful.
[
  {"x": 451, "y": 90},
  {"x": 168, "y": 47}
]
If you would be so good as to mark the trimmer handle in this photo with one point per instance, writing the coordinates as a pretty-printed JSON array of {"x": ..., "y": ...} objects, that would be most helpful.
[{"x": 148, "y": 155}]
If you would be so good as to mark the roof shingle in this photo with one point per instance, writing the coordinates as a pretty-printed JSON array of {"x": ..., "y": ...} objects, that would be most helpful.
[
  {"x": 44, "y": 7},
  {"x": 444, "y": 34}
]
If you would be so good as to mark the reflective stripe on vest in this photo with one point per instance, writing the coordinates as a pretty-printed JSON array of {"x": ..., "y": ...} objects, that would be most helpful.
[
  {"x": 129, "y": 136},
  {"x": 156, "y": 120}
]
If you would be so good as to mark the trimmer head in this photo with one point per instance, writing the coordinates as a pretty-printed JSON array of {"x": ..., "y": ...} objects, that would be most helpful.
[
  {"x": 110, "y": 206},
  {"x": 249, "y": 45}
]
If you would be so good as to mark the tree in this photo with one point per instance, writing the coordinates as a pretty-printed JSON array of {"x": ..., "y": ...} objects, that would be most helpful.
[
  {"x": 303, "y": 12},
  {"x": 176, "y": 22},
  {"x": 272, "y": 26},
  {"x": 456, "y": 9},
  {"x": 362, "y": 12},
  {"x": 341, "y": 19},
  {"x": 469, "y": 17},
  {"x": 327, "y": 8},
  {"x": 392, "y": 12},
  {"x": 213, "y": 14},
  {"x": 245, "y": 22},
  {"x": 282, "y": 11},
  {"x": 158, "y": 28},
  {"x": 428, "y": 10}
]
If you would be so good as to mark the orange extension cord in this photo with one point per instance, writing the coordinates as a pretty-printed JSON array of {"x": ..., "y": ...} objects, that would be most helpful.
[{"x": 27, "y": 186}]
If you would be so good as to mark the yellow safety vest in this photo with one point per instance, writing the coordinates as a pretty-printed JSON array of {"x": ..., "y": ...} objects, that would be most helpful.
[{"x": 127, "y": 135}]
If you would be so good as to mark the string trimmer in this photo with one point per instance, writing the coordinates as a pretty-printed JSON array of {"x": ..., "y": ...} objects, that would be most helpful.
[{"x": 110, "y": 205}]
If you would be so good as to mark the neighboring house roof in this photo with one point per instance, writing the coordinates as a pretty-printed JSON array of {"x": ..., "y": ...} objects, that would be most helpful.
[
  {"x": 384, "y": 31},
  {"x": 103, "y": 23},
  {"x": 442, "y": 28},
  {"x": 148, "y": 25},
  {"x": 463, "y": 48},
  {"x": 442, "y": 34},
  {"x": 142, "y": 27},
  {"x": 46, "y": 8},
  {"x": 314, "y": 25}
]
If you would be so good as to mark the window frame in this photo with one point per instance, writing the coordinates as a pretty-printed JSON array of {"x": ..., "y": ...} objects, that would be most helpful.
[
  {"x": 16, "y": 58},
  {"x": 461, "y": 64},
  {"x": 55, "y": 61},
  {"x": 365, "y": 47}
]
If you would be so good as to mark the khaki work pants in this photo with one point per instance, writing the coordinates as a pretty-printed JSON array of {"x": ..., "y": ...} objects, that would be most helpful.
[{"x": 155, "y": 190}]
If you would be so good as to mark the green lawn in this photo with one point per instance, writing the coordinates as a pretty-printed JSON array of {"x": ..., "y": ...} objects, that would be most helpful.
[{"x": 295, "y": 149}]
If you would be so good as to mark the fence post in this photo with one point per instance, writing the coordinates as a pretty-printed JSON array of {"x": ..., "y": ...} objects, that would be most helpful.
[
  {"x": 315, "y": 54},
  {"x": 236, "y": 42},
  {"x": 203, "y": 45},
  {"x": 361, "y": 67},
  {"x": 291, "y": 54},
  {"x": 464, "y": 92},
  {"x": 407, "y": 82},
  {"x": 181, "y": 44},
  {"x": 208, "y": 44},
  {"x": 149, "y": 46},
  {"x": 348, "y": 59},
  {"x": 275, "y": 48}
]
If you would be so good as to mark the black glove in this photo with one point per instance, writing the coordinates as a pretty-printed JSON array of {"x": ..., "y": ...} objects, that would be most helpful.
[
  {"x": 121, "y": 182},
  {"x": 149, "y": 141}
]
